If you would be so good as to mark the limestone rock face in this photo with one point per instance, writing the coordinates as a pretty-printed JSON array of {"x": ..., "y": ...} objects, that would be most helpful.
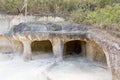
[
  {"x": 9, "y": 45},
  {"x": 46, "y": 27},
  {"x": 112, "y": 53},
  {"x": 95, "y": 44}
]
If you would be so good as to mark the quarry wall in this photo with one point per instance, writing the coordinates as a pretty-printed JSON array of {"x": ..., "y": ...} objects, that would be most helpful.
[{"x": 101, "y": 47}]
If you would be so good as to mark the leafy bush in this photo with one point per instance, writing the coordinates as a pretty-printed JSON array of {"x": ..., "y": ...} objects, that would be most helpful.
[
  {"x": 52, "y": 6},
  {"x": 11, "y": 6},
  {"x": 107, "y": 15},
  {"x": 88, "y": 12}
]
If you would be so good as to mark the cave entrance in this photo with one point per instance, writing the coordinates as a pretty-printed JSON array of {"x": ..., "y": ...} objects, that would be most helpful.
[
  {"x": 85, "y": 57},
  {"x": 90, "y": 51},
  {"x": 74, "y": 48},
  {"x": 42, "y": 48}
]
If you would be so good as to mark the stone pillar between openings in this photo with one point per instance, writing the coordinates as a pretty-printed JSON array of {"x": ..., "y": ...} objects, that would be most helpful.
[
  {"x": 83, "y": 47},
  {"x": 27, "y": 54},
  {"x": 114, "y": 60},
  {"x": 89, "y": 52},
  {"x": 58, "y": 49}
]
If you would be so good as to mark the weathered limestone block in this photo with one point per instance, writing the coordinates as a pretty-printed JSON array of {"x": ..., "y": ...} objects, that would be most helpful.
[
  {"x": 58, "y": 48},
  {"x": 114, "y": 61},
  {"x": 83, "y": 46},
  {"x": 90, "y": 52},
  {"x": 115, "y": 65},
  {"x": 27, "y": 54}
]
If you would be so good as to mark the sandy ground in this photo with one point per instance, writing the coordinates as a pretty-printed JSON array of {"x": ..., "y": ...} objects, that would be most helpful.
[{"x": 43, "y": 67}]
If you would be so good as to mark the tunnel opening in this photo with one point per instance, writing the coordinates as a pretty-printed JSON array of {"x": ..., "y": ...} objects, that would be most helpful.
[
  {"x": 88, "y": 50},
  {"x": 41, "y": 48},
  {"x": 74, "y": 48}
]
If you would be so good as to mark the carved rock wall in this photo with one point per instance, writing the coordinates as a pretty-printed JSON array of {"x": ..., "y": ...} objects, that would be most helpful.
[{"x": 99, "y": 45}]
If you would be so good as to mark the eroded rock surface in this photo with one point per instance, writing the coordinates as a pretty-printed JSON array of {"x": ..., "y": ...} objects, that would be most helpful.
[{"x": 98, "y": 45}]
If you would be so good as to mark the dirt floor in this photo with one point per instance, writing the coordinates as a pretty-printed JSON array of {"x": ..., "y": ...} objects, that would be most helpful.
[{"x": 44, "y": 67}]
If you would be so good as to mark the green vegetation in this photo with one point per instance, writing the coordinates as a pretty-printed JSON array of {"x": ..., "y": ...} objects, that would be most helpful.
[
  {"x": 88, "y": 12},
  {"x": 11, "y": 6},
  {"x": 107, "y": 15}
]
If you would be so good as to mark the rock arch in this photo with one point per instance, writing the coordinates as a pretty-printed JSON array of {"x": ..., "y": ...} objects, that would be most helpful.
[
  {"x": 87, "y": 49},
  {"x": 104, "y": 42}
]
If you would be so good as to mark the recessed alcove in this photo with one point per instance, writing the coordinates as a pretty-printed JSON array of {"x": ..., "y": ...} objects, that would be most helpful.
[
  {"x": 41, "y": 48},
  {"x": 90, "y": 51},
  {"x": 75, "y": 47}
]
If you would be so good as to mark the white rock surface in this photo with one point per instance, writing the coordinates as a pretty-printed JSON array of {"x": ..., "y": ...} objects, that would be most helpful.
[{"x": 70, "y": 69}]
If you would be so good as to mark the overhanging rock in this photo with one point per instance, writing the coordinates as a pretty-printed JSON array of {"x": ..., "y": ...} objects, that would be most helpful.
[{"x": 95, "y": 41}]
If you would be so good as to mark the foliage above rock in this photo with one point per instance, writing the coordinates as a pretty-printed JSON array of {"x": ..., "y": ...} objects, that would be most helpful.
[{"x": 79, "y": 11}]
